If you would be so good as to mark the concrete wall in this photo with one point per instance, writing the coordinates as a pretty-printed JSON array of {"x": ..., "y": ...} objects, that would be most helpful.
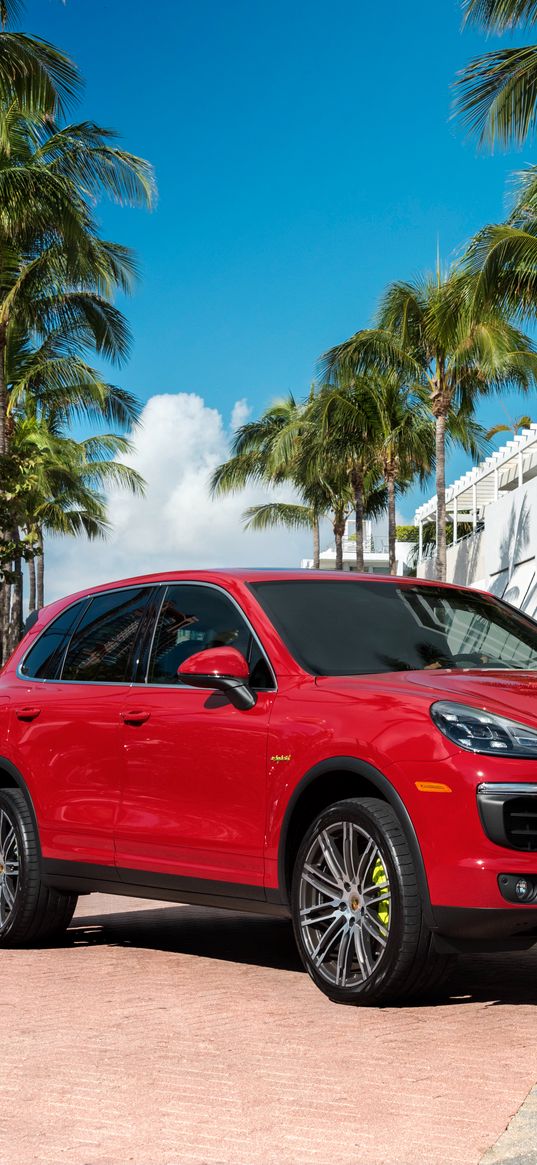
[
  {"x": 502, "y": 557},
  {"x": 465, "y": 562}
]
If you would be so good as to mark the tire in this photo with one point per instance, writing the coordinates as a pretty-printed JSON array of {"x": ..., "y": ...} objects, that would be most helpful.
[
  {"x": 357, "y": 912},
  {"x": 29, "y": 911}
]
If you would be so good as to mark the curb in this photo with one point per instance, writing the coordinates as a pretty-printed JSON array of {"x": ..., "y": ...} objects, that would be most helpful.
[{"x": 518, "y": 1144}]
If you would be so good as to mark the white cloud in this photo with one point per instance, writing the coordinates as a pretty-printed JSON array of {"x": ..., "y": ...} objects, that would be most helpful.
[
  {"x": 176, "y": 525},
  {"x": 239, "y": 414}
]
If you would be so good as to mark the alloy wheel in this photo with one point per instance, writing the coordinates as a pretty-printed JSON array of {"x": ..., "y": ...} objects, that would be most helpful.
[
  {"x": 344, "y": 904},
  {"x": 9, "y": 868}
]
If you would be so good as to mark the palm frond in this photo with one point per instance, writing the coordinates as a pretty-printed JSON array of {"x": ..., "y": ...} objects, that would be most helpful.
[
  {"x": 500, "y": 15},
  {"x": 113, "y": 473},
  {"x": 371, "y": 348},
  {"x": 101, "y": 320},
  {"x": 234, "y": 474},
  {"x": 490, "y": 433},
  {"x": 34, "y": 72},
  {"x": 84, "y": 154},
  {"x": 503, "y": 259},
  {"x": 496, "y": 96},
  {"x": 270, "y": 514}
]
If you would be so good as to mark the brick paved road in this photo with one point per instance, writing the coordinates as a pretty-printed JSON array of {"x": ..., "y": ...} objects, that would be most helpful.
[{"x": 156, "y": 1035}]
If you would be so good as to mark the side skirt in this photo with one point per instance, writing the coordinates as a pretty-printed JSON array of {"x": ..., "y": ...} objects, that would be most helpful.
[{"x": 86, "y": 878}]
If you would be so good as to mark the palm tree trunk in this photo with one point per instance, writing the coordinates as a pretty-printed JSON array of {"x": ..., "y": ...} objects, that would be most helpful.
[
  {"x": 441, "y": 497},
  {"x": 31, "y": 585},
  {"x": 357, "y": 479},
  {"x": 316, "y": 545},
  {"x": 3, "y": 393},
  {"x": 5, "y": 593},
  {"x": 40, "y": 571},
  {"x": 15, "y": 623},
  {"x": 5, "y": 600},
  {"x": 339, "y": 530},
  {"x": 390, "y": 482}
]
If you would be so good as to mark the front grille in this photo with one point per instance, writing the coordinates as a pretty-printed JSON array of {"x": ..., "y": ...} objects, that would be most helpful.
[{"x": 520, "y": 822}]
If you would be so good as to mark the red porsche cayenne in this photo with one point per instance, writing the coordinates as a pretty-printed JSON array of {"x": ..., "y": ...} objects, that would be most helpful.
[{"x": 359, "y": 753}]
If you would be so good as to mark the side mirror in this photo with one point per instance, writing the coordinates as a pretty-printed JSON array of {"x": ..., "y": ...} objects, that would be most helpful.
[{"x": 222, "y": 668}]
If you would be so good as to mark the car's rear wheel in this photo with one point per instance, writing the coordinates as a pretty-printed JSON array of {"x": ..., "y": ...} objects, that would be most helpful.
[
  {"x": 357, "y": 910},
  {"x": 29, "y": 911}
]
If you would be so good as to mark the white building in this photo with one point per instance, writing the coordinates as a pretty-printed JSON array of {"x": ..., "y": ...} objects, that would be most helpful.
[
  {"x": 499, "y": 499},
  {"x": 376, "y": 559}
]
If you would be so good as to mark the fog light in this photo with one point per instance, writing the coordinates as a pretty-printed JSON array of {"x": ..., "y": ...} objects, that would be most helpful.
[{"x": 518, "y": 889}]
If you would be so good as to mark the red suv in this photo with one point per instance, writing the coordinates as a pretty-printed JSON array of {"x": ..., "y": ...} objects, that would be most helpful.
[{"x": 357, "y": 752}]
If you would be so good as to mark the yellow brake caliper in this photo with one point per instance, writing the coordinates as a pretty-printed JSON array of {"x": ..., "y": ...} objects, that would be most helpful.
[{"x": 383, "y": 907}]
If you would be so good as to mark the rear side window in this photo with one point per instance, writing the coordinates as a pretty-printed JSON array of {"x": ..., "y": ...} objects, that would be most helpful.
[
  {"x": 44, "y": 658},
  {"x": 101, "y": 649}
]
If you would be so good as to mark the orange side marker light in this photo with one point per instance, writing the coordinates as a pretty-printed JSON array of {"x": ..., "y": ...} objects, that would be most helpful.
[{"x": 432, "y": 787}]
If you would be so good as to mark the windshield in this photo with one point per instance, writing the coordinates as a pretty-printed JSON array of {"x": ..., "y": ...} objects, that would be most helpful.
[{"x": 358, "y": 628}]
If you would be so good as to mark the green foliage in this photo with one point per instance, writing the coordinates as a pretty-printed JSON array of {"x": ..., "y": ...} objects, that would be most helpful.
[
  {"x": 270, "y": 514},
  {"x": 497, "y": 92},
  {"x": 58, "y": 278},
  {"x": 449, "y": 343},
  {"x": 407, "y": 533},
  {"x": 500, "y": 15}
]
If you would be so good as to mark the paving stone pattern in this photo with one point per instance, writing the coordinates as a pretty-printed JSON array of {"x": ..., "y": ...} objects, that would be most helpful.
[{"x": 164, "y": 1035}]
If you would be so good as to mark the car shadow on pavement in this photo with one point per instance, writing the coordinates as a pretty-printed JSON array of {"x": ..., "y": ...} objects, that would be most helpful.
[
  {"x": 504, "y": 977},
  {"x": 189, "y": 930}
]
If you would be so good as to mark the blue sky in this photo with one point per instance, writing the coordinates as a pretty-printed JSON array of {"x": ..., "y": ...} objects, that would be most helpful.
[{"x": 305, "y": 157}]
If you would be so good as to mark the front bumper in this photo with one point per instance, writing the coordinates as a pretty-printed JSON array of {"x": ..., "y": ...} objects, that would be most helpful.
[
  {"x": 508, "y": 815},
  {"x": 467, "y": 833},
  {"x": 466, "y": 929}
]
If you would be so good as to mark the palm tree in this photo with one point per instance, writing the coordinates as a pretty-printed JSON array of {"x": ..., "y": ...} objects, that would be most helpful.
[
  {"x": 332, "y": 499},
  {"x": 503, "y": 256},
  {"x": 497, "y": 92},
  {"x": 287, "y": 444},
  {"x": 292, "y": 516},
  {"x": 64, "y": 480},
  {"x": 35, "y": 469},
  {"x": 513, "y": 427},
  {"x": 50, "y": 386},
  {"x": 405, "y": 441},
  {"x": 57, "y": 275},
  {"x": 264, "y": 452},
  {"x": 382, "y": 431},
  {"x": 346, "y": 418},
  {"x": 430, "y": 334},
  {"x": 33, "y": 72},
  {"x": 55, "y": 271}
]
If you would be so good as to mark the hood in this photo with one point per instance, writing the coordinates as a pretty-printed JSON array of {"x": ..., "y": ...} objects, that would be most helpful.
[{"x": 509, "y": 693}]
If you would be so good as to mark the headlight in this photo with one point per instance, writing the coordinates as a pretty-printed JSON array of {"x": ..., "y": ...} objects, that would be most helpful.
[{"x": 483, "y": 731}]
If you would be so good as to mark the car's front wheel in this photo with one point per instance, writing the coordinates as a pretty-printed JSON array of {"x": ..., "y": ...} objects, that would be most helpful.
[
  {"x": 357, "y": 910},
  {"x": 30, "y": 912}
]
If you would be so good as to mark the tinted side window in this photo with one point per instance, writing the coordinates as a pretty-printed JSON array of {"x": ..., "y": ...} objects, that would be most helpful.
[
  {"x": 44, "y": 658},
  {"x": 192, "y": 619},
  {"x": 101, "y": 649},
  {"x": 361, "y": 628}
]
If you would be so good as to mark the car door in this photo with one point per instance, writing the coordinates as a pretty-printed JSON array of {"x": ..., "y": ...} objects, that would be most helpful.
[
  {"x": 65, "y": 723},
  {"x": 194, "y": 794}
]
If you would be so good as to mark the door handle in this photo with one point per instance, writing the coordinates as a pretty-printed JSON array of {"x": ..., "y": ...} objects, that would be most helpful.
[
  {"x": 136, "y": 716},
  {"x": 27, "y": 713}
]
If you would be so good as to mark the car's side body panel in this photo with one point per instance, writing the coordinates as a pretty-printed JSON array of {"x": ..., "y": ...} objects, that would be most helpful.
[
  {"x": 70, "y": 756},
  {"x": 193, "y": 800}
]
